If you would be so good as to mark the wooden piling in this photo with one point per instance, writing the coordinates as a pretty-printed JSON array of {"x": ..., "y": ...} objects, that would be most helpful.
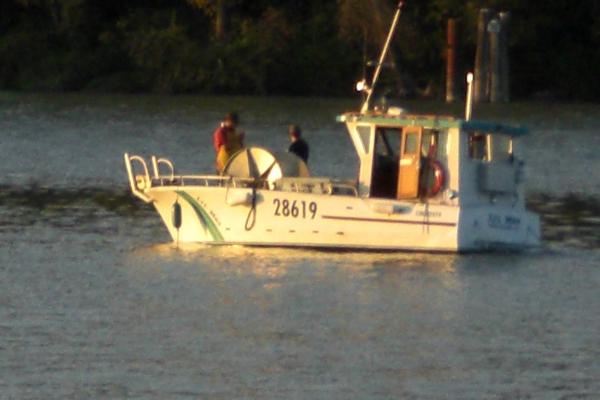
[
  {"x": 504, "y": 17},
  {"x": 480, "y": 84},
  {"x": 450, "y": 60},
  {"x": 221, "y": 19},
  {"x": 495, "y": 78}
]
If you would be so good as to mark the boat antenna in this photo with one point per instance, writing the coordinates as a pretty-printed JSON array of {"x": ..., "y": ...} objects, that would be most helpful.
[
  {"x": 369, "y": 90},
  {"x": 469, "y": 102}
]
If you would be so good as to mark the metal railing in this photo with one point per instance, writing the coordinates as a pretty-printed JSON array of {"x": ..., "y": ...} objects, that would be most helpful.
[
  {"x": 315, "y": 185},
  {"x": 156, "y": 162},
  {"x": 141, "y": 183},
  {"x": 138, "y": 183}
]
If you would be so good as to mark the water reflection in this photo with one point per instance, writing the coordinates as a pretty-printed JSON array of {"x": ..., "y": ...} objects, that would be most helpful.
[
  {"x": 272, "y": 288},
  {"x": 261, "y": 261}
]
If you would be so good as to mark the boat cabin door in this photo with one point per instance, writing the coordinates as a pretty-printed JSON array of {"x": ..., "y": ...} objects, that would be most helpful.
[{"x": 410, "y": 163}]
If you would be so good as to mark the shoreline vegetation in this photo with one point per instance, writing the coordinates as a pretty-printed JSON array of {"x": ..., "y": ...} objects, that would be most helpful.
[{"x": 273, "y": 47}]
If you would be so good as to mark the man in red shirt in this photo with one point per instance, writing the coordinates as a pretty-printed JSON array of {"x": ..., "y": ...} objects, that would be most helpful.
[
  {"x": 220, "y": 135},
  {"x": 227, "y": 141}
]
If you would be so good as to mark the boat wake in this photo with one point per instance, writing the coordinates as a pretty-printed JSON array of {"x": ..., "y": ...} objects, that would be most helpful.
[
  {"x": 82, "y": 209},
  {"x": 57, "y": 199},
  {"x": 572, "y": 219}
]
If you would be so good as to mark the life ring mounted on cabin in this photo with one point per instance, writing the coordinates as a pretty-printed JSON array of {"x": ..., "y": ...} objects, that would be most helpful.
[{"x": 433, "y": 178}]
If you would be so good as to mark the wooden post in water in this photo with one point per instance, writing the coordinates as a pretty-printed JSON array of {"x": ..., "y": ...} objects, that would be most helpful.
[
  {"x": 450, "y": 60},
  {"x": 221, "y": 19},
  {"x": 495, "y": 77},
  {"x": 504, "y": 17},
  {"x": 480, "y": 84}
]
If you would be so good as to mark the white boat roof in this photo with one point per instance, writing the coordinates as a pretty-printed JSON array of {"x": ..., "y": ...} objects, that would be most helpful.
[{"x": 432, "y": 122}]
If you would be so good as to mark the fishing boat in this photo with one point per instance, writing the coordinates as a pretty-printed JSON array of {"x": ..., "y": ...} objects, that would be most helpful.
[{"x": 425, "y": 183}]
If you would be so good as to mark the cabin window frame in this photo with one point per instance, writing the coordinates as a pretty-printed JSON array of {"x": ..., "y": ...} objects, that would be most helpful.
[{"x": 488, "y": 143}]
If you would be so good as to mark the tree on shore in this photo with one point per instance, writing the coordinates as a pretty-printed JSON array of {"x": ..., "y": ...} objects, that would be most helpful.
[{"x": 283, "y": 47}]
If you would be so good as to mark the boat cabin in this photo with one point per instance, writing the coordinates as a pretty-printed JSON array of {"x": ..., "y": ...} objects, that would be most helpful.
[{"x": 437, "y": 159}]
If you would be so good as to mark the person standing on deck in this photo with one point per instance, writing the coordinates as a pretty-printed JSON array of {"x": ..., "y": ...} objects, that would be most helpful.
[
  {"x": 298, "y": 146},
  {"x": 227, "y": 140}
]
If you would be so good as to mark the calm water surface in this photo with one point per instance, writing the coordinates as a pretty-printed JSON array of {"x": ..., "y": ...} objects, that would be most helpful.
[{"x": 96, "y": 303}]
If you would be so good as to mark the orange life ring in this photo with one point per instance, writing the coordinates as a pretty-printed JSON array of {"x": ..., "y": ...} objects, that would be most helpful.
[{"x": 439, "y": 178}]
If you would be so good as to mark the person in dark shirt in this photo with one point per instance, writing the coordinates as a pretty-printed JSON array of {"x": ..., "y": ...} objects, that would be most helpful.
[{"x": 298, "y": 146}]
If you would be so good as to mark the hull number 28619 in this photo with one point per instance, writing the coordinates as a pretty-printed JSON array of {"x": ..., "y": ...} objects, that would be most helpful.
[{"x": 295, "y": 208}]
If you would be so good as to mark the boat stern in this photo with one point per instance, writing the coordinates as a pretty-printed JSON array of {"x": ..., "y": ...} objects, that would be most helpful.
[{"x": 493, "y": 228}]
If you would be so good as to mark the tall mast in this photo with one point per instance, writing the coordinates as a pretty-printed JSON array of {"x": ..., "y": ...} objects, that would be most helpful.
[{"x": 366, "y": 104}]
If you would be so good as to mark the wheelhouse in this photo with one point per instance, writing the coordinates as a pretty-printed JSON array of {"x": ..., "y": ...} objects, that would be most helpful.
[{"x": 432, "y": 158}]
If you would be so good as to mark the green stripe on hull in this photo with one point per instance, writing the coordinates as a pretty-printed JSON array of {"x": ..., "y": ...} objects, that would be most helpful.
[{"x": 205, "y": 219}]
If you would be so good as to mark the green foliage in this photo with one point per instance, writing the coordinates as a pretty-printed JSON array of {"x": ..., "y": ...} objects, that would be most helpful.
[{"x": 283, "y": 47}]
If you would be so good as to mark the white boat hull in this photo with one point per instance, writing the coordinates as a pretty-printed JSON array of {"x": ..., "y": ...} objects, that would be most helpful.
[{"x": 218, "y": 215}]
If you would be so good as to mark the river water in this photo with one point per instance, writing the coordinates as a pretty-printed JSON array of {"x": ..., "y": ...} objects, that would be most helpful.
[{"x": 97, "y": 303}]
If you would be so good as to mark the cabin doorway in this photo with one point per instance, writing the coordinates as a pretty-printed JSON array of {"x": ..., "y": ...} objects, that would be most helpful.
[
  {"x": 384, "y": 178},
  {"x": 398, "y": 161},
  {"x": 410, "y": 163}
]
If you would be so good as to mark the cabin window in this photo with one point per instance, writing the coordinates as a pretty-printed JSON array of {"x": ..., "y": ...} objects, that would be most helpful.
[
  {"x": 411, "y": 143},
  {"x": 364, "y": 133},
  {"x": 478, "y": 146},
  {"x": 501, "y": 148},
  {"x": 387, "y": 141},
  {"x": 488, "y": 147},
  {"x": 429, "y": 144}
]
